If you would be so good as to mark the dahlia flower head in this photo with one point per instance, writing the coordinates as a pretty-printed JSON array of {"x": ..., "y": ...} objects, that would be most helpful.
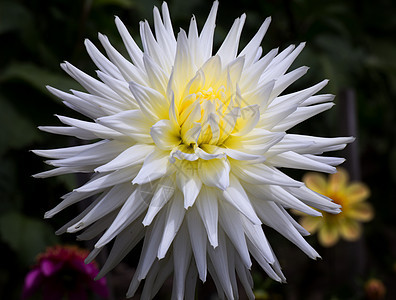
[
  {"x": 184, "y": 148},
  {"x": 61, "y": 272}
]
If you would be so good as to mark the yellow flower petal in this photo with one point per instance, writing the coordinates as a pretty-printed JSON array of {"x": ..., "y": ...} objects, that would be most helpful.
[
  {"x": 357, "y": 192},
  {"x": 316, "y": 182},
  {"x": 328, "y": 235},
  {"x": 311, "y": 223},
  {"x": 350, "y": 230},
  {"x": 338, "y": 181},
  {"x": 362, "y": 212}
]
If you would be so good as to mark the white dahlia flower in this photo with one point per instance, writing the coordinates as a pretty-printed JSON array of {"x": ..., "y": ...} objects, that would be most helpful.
[{"x": 185, "y": 152}]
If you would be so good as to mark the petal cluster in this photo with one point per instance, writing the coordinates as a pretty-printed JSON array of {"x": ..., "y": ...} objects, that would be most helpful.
[{"x": 189, "y": 151}]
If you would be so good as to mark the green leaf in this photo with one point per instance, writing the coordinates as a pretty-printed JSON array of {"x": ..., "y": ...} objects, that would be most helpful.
[
  {"x": 16, "y": 130},
  {"x": 120, "y": 3},
  {"x": 38, "y": 77},
  {"x": 26, "y": 236},
  {"x": 13, "y": 16}
]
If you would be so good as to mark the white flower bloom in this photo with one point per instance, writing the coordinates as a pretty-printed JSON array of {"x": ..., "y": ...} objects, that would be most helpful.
[{"x": 188, "y": 154}]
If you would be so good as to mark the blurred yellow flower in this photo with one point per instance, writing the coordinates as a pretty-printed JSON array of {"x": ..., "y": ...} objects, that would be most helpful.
[{"x": 351, "y": 197}]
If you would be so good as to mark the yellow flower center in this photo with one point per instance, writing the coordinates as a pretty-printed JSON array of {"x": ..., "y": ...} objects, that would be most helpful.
[{"x": 203, "y": 117}]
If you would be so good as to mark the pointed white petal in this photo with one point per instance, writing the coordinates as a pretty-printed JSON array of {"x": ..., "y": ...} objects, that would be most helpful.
[
  {"x": 162, "y": 193},
  {"x": 206, "y": 36},
  {"x": 174, "y": 219},
  {"x": 131, "y": 156},
  {"x": 107, "y": 180},
  {"x": 251, "y": 48},
  {"x": 190, "y": 185},
  {"x": 155, "y": 166},
  {"x": 123, "y": 244},
  {"x": 165, "y": 135},
  {"x": 229, "y": 47},
  {"x": 153, "y": 104},
  {"x": 236, "y": 196},
  {"x": 208, "y": 210},
  {"x": 182, "y": 256},
  {"x": 198, "y": 241},
  {"x": 261, "y": 174},
  {"x": 214, "y": 172},
  {"x": 109, "y": 202},
  {"x": 273, "y": 216},
  {"x": 101, "y": 61},
  {"x": 231, "y": 224},
  {"x": 130, "y": 211},
  {"x": 131, "y": 123}
]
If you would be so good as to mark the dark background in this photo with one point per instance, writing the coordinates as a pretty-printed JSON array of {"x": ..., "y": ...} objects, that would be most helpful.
[{"x": 352, "y": 43}]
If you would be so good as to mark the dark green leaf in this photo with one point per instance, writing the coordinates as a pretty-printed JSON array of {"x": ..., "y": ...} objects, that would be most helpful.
[{"x": 26, "y": 236}]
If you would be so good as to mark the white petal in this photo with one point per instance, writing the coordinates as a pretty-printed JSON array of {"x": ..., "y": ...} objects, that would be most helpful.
[
  {"x": 123, "y": 244},
  {"x": 101, "y": 61},
  {"x": 294, "y": 160},
  {"x": 109, "y": 202},
  {"x": 174, "y": 219},
  {"x": 93, "y": 156},
  {"x": 251, "y": 48},
  {"x": 182, "y": 256},
  {"x": 149, "y": 253},
  {"x": 130, "y": 211},
  {"x": 219, "y": 259},
  {"x": 190, "y": 184},
  {"x": 152, "y": 103},
  {"x": 96, "y": 129},
  {"x": 198, "y": 241},
  {"x": 66, "y": 152},
  {"x": 68, "y": 200},
  {"x": 250, "y": 115},
  {"x": 157, "y": 78},
  {"x": 70, "y": 131},
  {"x": 165, "y": 135},
  {"x": 133, "y": 50},
  {"x": 92, "y": 85},
  {"x": 206, "y": 36},
  {"x": 127, "y": 69},
  {"x": 236, "y": 196},
  {"x": 208, "y": 210},
  {"x": 231, "y": 224},
  {"x": 215, "y": 173},
  {"x": 229, "y": 47},
  {"x": 262, "y": 174},
  {"x": 155, "y": 166},
  {"x": 132, "y": 123},
  {"x": 131, "y": 156},
  {"x": 272, "y": 216},
  {"x": 314, "y": 199},
  {"x": 78, "y": 104},
  {"x": 281, "y": 196},
  {"x": 107, "y": 180},
  {"x": 256, "y": 236},
  {"x": 162, "y": 193}
]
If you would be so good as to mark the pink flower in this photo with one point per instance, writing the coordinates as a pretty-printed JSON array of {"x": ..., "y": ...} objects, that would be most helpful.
[{"x": 61, "y": 271}]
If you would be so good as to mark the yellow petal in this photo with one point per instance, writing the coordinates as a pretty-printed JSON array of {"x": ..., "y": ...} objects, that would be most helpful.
[
  {"x": 338, "y": 181},
  {"x": 350, "y": 230},
  {"x": 357, "y": 192},
  {"x": 311, "y": 223},
  {"x": 328, "y": 235},
  {"x": 362, "y": 212},
  {"x": 316, "y": 182}
]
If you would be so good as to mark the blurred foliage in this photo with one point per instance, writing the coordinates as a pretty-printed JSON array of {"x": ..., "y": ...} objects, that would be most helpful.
[{"x": 350, "y": 42}]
